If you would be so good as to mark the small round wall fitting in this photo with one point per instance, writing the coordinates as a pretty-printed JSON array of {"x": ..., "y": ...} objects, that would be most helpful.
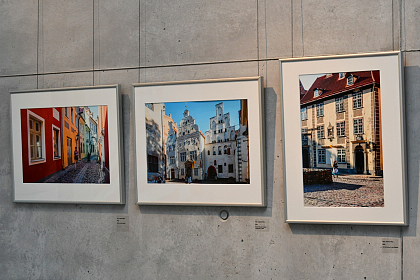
[{"x": 224, "y": 215}]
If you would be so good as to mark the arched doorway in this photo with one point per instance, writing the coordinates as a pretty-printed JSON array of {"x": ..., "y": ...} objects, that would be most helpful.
[
  {"x": 305, "y": 158},
  {"x": 212, "y": 174},
  {"x": 359, "y": 159}
]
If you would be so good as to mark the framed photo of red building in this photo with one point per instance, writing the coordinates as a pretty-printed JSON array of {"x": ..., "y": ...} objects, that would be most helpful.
[
  {"x": 62, "y": 141},
  {"x": 200, "y": 142},
  {"x": 344, "y": 152}
]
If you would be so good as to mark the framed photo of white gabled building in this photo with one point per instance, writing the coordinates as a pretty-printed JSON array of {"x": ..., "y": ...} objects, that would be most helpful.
[
  {"x": 67, "y": 145},
  {"x": 200, "y": 142},
  {"x": 344, "y": 157}
]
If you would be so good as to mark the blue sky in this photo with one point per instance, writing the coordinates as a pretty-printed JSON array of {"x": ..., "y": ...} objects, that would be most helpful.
[
  {"x": 202, "y": 111},
  {"x": 94, "y": 110}
]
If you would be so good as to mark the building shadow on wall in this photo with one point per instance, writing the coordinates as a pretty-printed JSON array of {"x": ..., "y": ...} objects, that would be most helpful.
[{"x": 269, "y": 117}]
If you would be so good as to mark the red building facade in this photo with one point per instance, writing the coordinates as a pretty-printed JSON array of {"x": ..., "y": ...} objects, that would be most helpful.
[{"x": 41, "y": 138}]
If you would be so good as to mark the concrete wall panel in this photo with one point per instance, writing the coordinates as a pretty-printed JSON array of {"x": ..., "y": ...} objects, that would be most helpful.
[
  {"x": 47, "y": 241},
  {"x": 274, "y": 29},
  {"x": 65, "y": 35},
  {"x": 197, "y": 31},
  {"x": 411, "y": 25},
  {"x": 199, "y": 72},
  {"x": 18, "y": 37},
  {"x": 332, "y": 27},
  {"x": 116, "y": 34},
  {"x": 411, "y": 238}
]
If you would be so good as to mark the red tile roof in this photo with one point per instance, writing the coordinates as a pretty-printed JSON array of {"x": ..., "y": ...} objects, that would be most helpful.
[{"x": 331, "y": 85}]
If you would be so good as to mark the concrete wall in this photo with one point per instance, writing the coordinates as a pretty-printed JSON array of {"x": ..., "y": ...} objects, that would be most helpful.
[{"x": 61, "y": 43}]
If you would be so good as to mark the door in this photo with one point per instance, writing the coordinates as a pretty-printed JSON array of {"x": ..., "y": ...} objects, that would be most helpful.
[
  {"x": 172, "y": 174},
  {"x": 69, "y": 151},
  {"x": 211, "y": 171},
  {"x": 360, "y": 160}
]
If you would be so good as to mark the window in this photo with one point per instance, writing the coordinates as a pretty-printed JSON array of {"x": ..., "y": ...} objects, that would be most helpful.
[
  {"x": 195, "y": 171},
  {"x": 321, "y": 156},
  {"x": 339, "y": 104},
  {"x": 149, "y": 105},
  {"x": 317, "y": 92},
  {"x": 56, "y": 142},
  {"x": 357, "y": 100},
  {"x": 320, "y": 132},
  {"x": 341, "y": 156},
  {"x": 219, "y": 149},
  {"x": 193, "y": 155},
  {"x": 303, "y": 114},
  {"x": 152, "y": 163},
  {"x": 183, "y": 156},
  {"x": 341, "y": 130},
  {"x": 182, "y": 171},
  {"x": 320, "y": 110},
  {"x": 230, "y": 168},
  {"x": 341, "y": 75},
  {"x": 330, "y": 132},
  {"x": 304, "y": 136},
  {"x": 172, "y": 160},
  {"x": 350, "y": 80},
  {"x": 208, "y": 152},
  {"x": 35, "y": 138},
  {"x": 225, "y": 150},
  {"x": 214, "y": 151},
  {"x": 358, "y": 126},
  {"x": 72, "y": 116},
  {"x": 220, "y": 168},
  {"x": 66, "y": 112}
]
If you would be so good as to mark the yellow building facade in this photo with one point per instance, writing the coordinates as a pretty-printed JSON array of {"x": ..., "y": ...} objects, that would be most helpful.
[{"x": 341, "y": 122}]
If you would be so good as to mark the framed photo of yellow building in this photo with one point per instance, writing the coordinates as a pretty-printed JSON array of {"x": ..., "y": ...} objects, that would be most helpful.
[
  {"x": 200, "y": 143},
  {"x": 344, "y": 153},
  {"x": 62, "y": 141}
]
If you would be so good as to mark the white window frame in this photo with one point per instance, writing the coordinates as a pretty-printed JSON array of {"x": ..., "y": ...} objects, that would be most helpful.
[
  {"x": 183, "y": 156},
  {"x": 42, "y": 120},
  {"x": 320, "y": 110},
  {"x": 59, "y": 142},
  {"x": 193, "y": 155},
  {"x": 320, "y": 132},
  {"x": 359, "y": 124},
  {"x": 341, "y": 130},
  {"x": 341, "y": 75},
  {"x": 341, "y": 155},
  {"x": 322, "y": 158},
  {"x": 303, "y": 114},
  {"x": 171, "y": 160},
  {"x": 316, "y": 93},
  {"x": 339, "y": 104},
  {"x": 357, "y": 100},
  {"x": 350, "y": 80},
  {"x": 195, "y": 171}
]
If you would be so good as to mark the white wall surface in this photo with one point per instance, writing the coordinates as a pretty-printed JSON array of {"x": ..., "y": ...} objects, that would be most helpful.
[{"x": 61, "y": 43}]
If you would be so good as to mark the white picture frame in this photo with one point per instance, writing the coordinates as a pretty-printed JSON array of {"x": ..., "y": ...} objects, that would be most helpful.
[
  {"x": 62, "y": 111},
  {"x": 181, "y": 193},
  {"x": 394, "y": 208}
]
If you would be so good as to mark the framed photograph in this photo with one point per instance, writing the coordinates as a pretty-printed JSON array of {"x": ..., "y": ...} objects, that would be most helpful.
[
  {"x": 200, "y": 142},
  {"x": 344, "y": 157},
  {"x": 67, "y": 145}
]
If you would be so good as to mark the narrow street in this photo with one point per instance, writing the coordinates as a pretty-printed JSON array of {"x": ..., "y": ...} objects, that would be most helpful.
[{"x": 86, "y": 173}]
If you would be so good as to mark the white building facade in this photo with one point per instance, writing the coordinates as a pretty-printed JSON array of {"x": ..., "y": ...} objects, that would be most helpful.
[{"x": 220, "y": 147}]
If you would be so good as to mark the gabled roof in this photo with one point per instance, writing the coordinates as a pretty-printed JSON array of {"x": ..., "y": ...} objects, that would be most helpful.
[{"x": 330, "y": 84}]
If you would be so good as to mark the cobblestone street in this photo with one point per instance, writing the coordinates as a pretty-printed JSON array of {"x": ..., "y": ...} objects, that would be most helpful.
[
  {"x": 347, "y": 191},
  {"x": 86, "y": 173}
]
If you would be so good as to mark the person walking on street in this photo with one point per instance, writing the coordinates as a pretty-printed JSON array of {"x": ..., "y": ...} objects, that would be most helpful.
[
  {"x": 76, "y": 158},
  {"x": 335, "y": 168}
]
